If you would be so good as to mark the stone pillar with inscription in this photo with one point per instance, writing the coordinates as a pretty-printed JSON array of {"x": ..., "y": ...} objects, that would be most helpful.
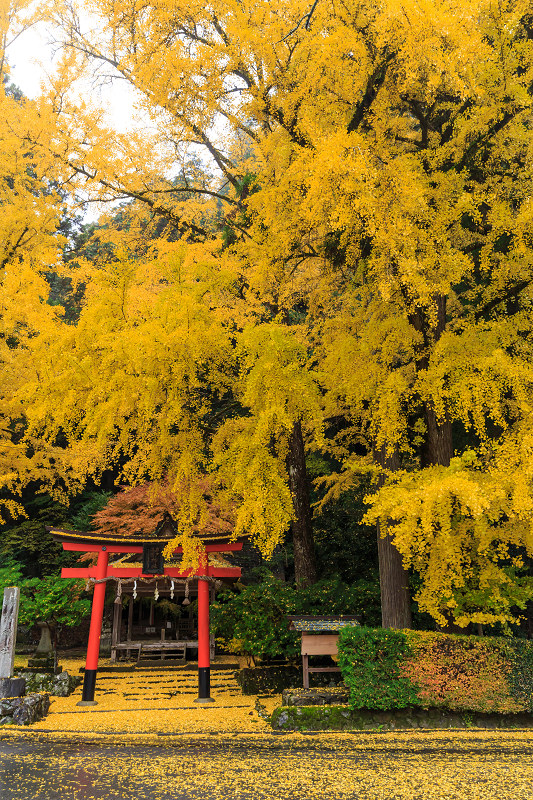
[{"x": 9, "y": 685}]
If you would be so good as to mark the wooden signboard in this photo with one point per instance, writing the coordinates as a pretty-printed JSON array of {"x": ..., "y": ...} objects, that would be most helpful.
[
  {"x": 322, "y": 644},
  {"x": 320, "y": 636},
  {"x": 153, "y": 561},
  {"x": 318, "y": 644}
]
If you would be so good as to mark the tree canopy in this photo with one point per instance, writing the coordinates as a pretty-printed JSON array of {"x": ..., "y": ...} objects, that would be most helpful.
[{"x": 343, "y": 263}]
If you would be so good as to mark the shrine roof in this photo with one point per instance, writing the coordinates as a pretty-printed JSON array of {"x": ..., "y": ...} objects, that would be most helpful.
[
  {"x": 315, "y": 624},
  {"x": 162, "y": 533}
]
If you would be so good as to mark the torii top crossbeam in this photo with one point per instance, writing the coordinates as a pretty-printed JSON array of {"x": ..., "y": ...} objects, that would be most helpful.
[{"x": 150, "y": 545}]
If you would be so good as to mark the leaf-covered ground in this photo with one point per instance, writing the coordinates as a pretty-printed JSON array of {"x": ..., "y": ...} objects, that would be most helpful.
[
  {"x": 147, "y": 740},
  {"x": 400, "y": 766},
  {"x": 150, "y": 701}
]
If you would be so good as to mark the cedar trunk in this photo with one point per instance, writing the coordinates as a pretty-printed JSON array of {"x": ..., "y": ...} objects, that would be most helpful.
[
  {"x": 393, "y": 578},
  {"x": 302, "y": 525}
]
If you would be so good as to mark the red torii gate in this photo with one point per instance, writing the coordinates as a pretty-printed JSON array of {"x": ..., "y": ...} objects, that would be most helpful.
[{"x": 102, "y": 571}]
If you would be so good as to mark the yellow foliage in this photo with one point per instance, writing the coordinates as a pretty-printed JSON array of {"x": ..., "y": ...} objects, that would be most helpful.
[
  {"x": 30, "y": 246},
  {"x": 461, "y": 527},
  {"x": 375, "y": 164}
]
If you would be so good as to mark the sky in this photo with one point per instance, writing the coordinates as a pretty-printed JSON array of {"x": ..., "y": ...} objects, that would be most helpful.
[
  {"x": 23, "y": 56},
  {"x": 31, "y": 58}
]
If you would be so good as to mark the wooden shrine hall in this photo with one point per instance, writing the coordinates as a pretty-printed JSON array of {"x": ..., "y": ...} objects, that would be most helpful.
[{"x": 134, "y": 562}]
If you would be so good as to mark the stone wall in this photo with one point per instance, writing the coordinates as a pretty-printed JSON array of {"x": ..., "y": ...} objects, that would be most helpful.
[
  {"x": 334, "y": 695},
  {"x": 23, "y": 710},
  {"x": 338, "y": 717},
  {"x": 58, "y": 685}
]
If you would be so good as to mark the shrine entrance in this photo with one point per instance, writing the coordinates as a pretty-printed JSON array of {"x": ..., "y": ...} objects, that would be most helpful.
[
  {"x": 157, "y": 620},
  {"x": 135, "y": 561}
]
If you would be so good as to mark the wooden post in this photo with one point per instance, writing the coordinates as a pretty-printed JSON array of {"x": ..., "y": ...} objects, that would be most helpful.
[
  {"x": 130, "y": 619},
  {"x": 115, "y": 631},
  {"x": 95, "y": 631},
  {"x": 305, "y": 666},
  {"x": 8, "y": 630},
  {"x": 130, "y": 623}
]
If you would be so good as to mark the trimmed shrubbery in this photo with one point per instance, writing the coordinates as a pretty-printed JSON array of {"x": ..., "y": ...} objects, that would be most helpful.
[
  {"x": 370, "y": 660},
  {"x": 389, "y": 669},
  {"x": 268, "y": 679}
]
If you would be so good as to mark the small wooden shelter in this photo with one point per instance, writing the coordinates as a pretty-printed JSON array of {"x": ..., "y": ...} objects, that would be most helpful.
[
  {"x": 135, "y": 563},
  {"x": 320, "y": 636}
]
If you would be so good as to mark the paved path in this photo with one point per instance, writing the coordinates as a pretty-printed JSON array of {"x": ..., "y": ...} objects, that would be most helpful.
[{"x": 402, "y": 766}]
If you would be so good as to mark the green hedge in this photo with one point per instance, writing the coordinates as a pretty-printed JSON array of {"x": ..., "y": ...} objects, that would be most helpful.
[{"x": 389, "y": 669}]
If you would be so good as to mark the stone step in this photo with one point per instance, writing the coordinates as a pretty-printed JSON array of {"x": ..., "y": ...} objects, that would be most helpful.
[
  {"x": 169, "y": 686},
  {"x": 163, "y": 666}
]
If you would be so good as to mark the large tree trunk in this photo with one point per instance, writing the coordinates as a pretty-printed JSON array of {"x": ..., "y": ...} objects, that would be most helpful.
[
  {"x": 393, "y": 578},
  {"x": 438, "y": 446},
  {"x": 437, "y": 449},
  {"x": 302, "y": 525},
  {"x": 395, "y": 597}
]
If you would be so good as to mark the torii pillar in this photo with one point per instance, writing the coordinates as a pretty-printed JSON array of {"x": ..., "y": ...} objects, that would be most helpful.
[
  {"x": 95, "y": 631},
  {"x": 204, "y": 645}
]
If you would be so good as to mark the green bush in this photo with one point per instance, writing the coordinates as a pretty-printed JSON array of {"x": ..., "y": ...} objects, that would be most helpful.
[
  {"x": 58, "y": 601},
  {"x": 370, "y": 662},
  {"x": 386, "y": 669},
  {"x": 253, "y": 621}
]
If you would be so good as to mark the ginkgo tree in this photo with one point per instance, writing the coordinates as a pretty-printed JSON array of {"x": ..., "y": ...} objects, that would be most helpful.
[
  {"x": 158, "y": 380},
  {"x": 129, "y": 382},
  {"x": 33, "y": 207},
  {"x": 428, "y": 350},
  {"x": 260, "y": 454},
  {"x": 375, "y": 163}
]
